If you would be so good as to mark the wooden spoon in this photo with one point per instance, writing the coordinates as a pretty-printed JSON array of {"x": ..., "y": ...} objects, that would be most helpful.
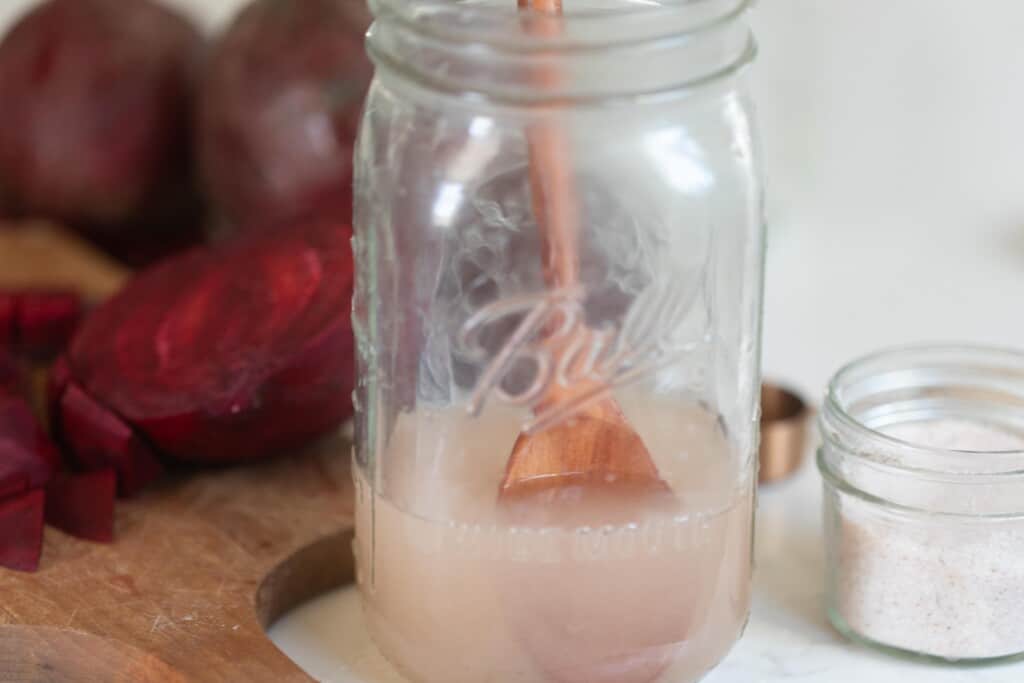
[
  {"x": 595, "y": 452},
  {"x": 590, "y": 469}
]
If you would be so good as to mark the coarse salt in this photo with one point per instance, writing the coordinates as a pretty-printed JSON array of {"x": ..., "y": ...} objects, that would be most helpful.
[{"x": 950, "y": 586}]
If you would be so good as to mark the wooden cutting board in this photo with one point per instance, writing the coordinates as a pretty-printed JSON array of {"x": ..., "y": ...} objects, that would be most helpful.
[{"x": 201, "y": 564}]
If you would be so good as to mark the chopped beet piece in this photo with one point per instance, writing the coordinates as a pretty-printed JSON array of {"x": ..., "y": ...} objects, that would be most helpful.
[
  {"x": 46, "y": 321},
  {"x": 8, "y": 318},
  {"x": 57, "y": 383},
  {"x": 12, "y": 482},
  {"x": 222, "y": 354},
  {"x": 83, "y": 504},
  {"x": 26, "y": 452},
  {"x": 99, "y": 440},
  {"x": 12, "y": 377},
  {"x": 21, "y": 530}
]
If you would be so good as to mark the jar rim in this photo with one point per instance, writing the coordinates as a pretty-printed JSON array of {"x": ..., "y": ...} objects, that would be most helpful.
[
  {"x": 949, "y": 463},
  {"x": 649, "y": 22}
]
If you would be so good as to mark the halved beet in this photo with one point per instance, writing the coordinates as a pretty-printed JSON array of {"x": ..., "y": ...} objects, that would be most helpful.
[
  {"x": 226, "y": 353},
  {"x": 98, "y": 439},
  {"x": 21, "y": 530},
  {"x": 83, "y": 504}
]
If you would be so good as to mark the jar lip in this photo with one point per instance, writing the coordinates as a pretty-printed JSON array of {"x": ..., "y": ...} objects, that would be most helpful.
[
  {"x": 649, "y": 22},
  {"x": 915, "y": 457}
]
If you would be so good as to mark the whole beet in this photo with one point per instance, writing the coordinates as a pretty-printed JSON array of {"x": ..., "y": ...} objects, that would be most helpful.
[
  {"x": 95, "y": 126},
  {"x": 280, "y": 107}
]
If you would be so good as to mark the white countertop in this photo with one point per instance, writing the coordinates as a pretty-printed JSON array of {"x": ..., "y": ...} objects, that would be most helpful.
[{"x": 895, "y": 140}]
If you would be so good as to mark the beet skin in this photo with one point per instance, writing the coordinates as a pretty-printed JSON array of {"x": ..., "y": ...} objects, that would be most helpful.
[
  {"x": 279, "y": 109},
  {"x": 95, "y": 126}
]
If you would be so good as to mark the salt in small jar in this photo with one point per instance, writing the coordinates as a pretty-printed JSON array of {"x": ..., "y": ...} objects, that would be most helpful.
[{"x": 923, "y": 468}]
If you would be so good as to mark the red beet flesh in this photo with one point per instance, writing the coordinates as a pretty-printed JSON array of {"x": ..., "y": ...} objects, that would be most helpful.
[
  {"x": 46, "y": 321},
  {"x": 80, "y": 504},
  {"x": 83, "y": 504},
  {"x": 222, "y": 354},
  {"x": 27, "y": 462},
  {"x": 99, "y": 440},
  {"x": 280, "y": 106},
  {"x": 8, "y": 315},
  {"x": 27, "y": 456},
  {"x": 38, "y": 324},
  {"x": 96, "y": 117},
  {"x": 13, "y": 382},
  {"x": 21, "y": 530}
]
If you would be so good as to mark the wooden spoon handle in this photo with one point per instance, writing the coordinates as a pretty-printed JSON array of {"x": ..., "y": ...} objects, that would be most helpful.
[{"x": 552, "y": 186}]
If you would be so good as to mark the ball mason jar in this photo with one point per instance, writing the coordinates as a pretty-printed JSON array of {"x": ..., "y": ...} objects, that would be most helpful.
[{"x": 485, "y": 127}]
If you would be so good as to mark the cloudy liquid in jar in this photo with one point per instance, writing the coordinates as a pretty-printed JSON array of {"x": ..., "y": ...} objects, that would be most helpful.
[{"x": 445, "y": 583}]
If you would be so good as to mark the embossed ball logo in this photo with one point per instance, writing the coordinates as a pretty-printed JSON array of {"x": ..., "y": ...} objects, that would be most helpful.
[{"x": 552, "y": 337}]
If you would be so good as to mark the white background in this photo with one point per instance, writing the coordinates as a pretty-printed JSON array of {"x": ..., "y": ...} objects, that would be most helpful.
[{"x": 894, "y": 134}]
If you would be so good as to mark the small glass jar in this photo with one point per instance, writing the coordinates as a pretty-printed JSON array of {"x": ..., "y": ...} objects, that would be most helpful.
[
  {"x": 464, "y": 336},
  {"x": 923, "y": 467}
]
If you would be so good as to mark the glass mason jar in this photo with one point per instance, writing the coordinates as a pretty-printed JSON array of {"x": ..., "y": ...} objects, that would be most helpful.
[
  {"x": 559, "y": 253},
  {"x": 923, "y": 468}
]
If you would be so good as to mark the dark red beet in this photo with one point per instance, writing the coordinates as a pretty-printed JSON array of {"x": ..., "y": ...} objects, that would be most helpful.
[
  {"x": 99, "y": 440},
  {"x": 46, "y": 321},
  {"x": 96, "y": 117},
  {"x": 8, "y": 315},
  {"x": 227, "y": 353},
  {"x": 28, "y": 458},
  {"x": 39, "y": 323},
  {"x": 57, "y": 383},
  {"x": 280, "y": 106},
  {"x": 21, "y": 530},
  {"x": 25, "y": 450},
  {"x": 13, "y": 380},
  {"x": 83, "y": 504}
]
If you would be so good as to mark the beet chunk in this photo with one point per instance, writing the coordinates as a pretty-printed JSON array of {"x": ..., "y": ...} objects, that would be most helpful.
[
  {"x": 27, "y": 456},
  {"x": 96, "y": 117},
  {"x": 21, "y": 530},
  {"x": 8, "y": 318},
  {"x": 83, "y": 504},
  {"x": 38, "y": 324},
  {"x": 46, "y": 321},
  {"x": 56, "y": 384},
  {"x": 226, "y": 353},
  {"x": 98, "y": 440},
  {"x": 280, "y": 106},
  {"x": 13, "y": 381}
]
